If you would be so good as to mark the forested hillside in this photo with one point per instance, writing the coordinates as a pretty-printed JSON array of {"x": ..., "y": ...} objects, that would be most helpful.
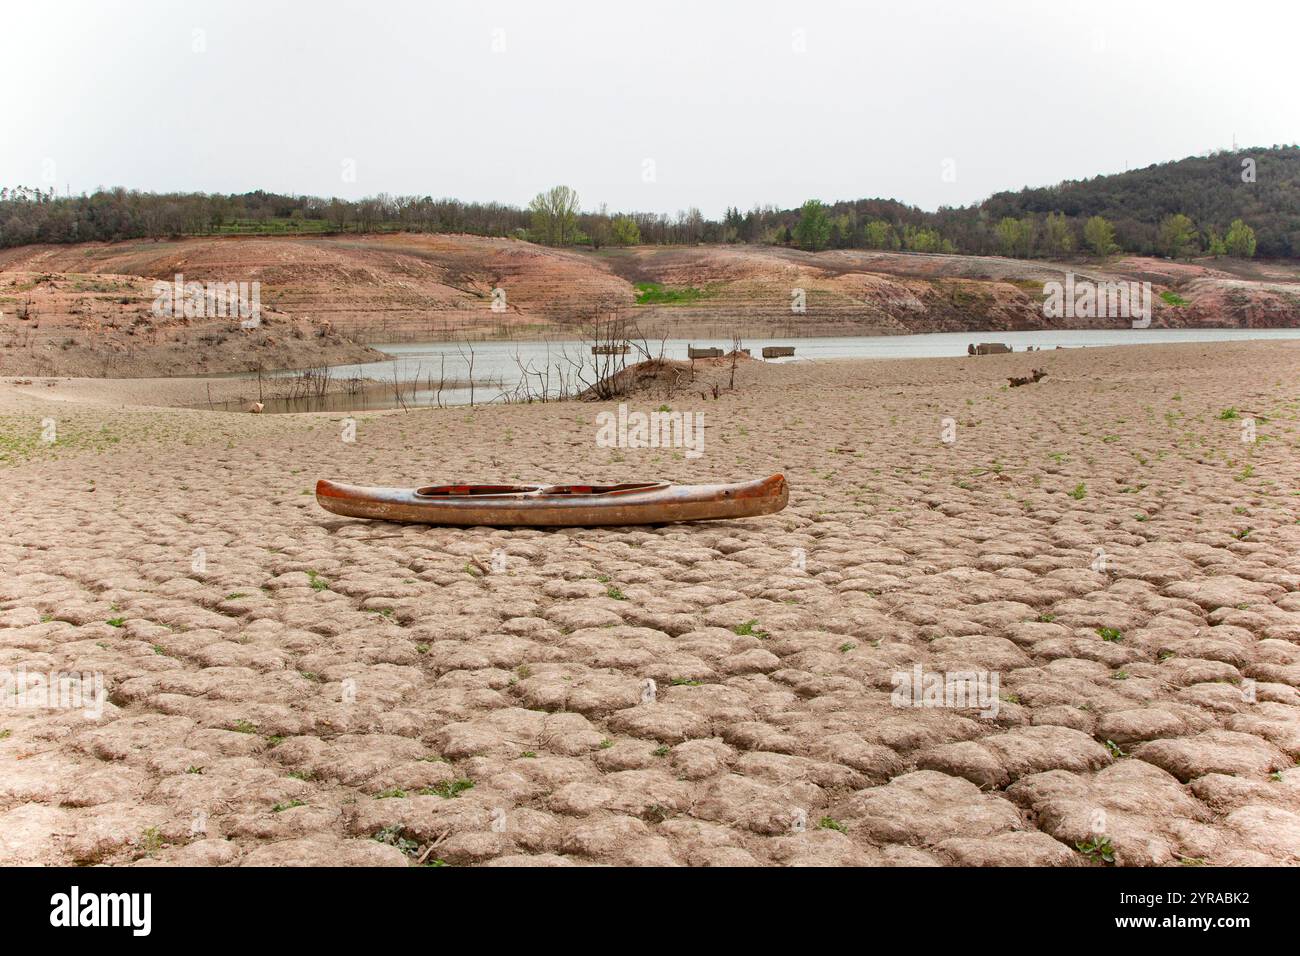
[
  {"x": 1242, "y": 203},
  {"x": 1211, "y": 190}
]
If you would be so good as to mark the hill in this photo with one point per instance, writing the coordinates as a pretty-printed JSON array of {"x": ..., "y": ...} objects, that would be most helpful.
[
  {"x": 89, "y": 309},
  {"x": 1209, "y": 189}
]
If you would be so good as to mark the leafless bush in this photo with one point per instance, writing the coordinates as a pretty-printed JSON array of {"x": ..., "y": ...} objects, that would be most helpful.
[
  {"x": 305, "y": 383},
  {"x": 606, "y": 335}
]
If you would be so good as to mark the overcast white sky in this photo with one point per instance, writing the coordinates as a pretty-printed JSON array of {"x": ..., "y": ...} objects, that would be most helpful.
[{"x": 735, "y": 103}]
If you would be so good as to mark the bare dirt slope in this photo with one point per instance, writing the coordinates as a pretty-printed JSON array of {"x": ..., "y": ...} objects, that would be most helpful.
[
  {"x": 61, "y": 299},
  {"x": 85, "y": 309},
  {"x": 324, "y": 690}
]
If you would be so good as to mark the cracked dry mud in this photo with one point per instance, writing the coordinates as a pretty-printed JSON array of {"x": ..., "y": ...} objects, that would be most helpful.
[{"x": 331, "y": 691}]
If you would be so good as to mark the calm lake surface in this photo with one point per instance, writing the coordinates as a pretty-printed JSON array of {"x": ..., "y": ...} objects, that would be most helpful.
[{"x": 563, "y": 364}]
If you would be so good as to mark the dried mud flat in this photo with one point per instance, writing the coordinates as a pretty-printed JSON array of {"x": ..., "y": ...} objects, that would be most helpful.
[{"x": 329, "y": 691}]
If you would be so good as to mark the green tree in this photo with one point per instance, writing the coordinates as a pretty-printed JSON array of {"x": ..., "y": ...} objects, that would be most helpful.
[
  {"x": 1099, "y": 235},
  {"x": 1214, "y": 244},
  {"x": 1009, "y": 236},
  {"x": 598, "y": 229},
  {"x": 1028, "y": 236},
  {"x": 1178, "y": 236},
  {"x": 842, "y": 231},
  {"x": 813, "y": 230},
  {"x": 1240, "y": 241},
  {"x": 626, "y": 231},
  {"x": 925, "y": 240},
  {"x": 880, "y": 235},
  {"x": 1058, "y": 237},
  {"x": 555, "y": 216}
]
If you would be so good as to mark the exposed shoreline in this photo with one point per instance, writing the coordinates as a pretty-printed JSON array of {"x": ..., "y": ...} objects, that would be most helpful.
[
  {"x": 235, "y": 391},
  {"x": 89, "y": 310}
]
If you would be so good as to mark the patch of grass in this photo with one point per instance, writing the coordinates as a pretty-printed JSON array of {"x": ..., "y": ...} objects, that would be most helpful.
[
  {"x": 1173, "y": 298},
  {"x": 390, "y": 793},
  {"x": 686, "y": 682},
  {"x": 448, "y": 789},
  {"x": 1078, "y": 491},
  {"x": 660, "y": 751},
  {"x": 847, "y": 646},
  {"x": 1098, "y": 848},
  {"x": 244, "y": 727},
  {"x": 830, "y": 823},
  {"x": 750, "y": 629},
  {"x": 281, "y": 807},
  {"x": 317, "y": 582},
  {"x": 1228, "y": 414},
  {"x": 615, "y": 593},
  {"x": 653, "y": 293},
  {"x": 151, "y": 841},
  {"x": 1115, "y": 750},
  {"x": 392, "y": 836},
  {"x": 528, "y": 755},
  {"x": 1110, "y": 633},
  {"x": 235, "y": 595},
  {"x": 117, "y": 621},
  {"x": 1046, "y": 618}
]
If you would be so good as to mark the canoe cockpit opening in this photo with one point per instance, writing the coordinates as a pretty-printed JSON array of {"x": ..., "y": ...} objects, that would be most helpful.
[
  {"x": 474, "y": 491},
  {"x": 604, "y": 489},
  {"x": 466, "y": 491}
]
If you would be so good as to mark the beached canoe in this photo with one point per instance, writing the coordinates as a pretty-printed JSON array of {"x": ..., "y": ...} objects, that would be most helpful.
[{"x": 574, "y": 506}]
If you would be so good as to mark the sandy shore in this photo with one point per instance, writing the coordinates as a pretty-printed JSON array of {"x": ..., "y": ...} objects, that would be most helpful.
[{"x": 285, "y": 686}]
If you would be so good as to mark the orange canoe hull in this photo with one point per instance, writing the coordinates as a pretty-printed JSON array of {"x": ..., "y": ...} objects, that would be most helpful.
[{"x": 556, "y": 506}]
